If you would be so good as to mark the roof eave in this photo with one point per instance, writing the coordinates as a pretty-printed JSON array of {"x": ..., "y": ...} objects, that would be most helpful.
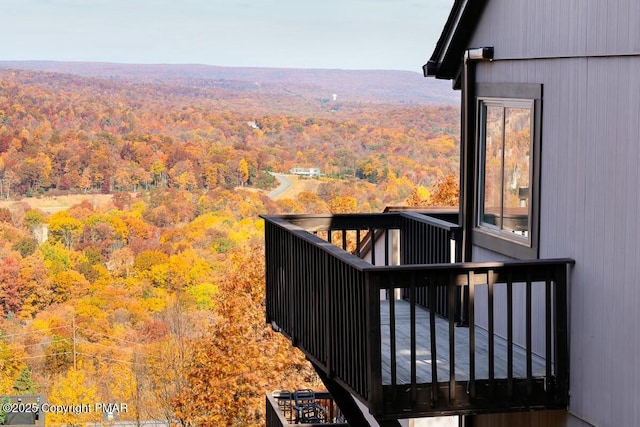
[{"x": 447, "y": 56}]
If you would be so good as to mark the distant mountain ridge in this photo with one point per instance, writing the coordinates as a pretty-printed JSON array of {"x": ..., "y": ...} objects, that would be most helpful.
[{"x": 378, "y": 86}]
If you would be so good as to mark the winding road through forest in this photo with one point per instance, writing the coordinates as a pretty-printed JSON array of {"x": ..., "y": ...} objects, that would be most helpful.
[{"x": 285, "y": 184}]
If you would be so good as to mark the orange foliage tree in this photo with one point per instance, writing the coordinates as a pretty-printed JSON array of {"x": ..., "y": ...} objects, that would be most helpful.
[
  {"x": 240, "y": 358},
  {"x": 446, "y": 192}
]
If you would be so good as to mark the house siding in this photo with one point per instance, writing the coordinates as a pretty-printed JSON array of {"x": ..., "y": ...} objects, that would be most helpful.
[
  {"x": 529, "y": 419},
  {"x": 590, "y": 184},
  {"x": 590, "y": 196},
  {"x": 551, "y": 28}
]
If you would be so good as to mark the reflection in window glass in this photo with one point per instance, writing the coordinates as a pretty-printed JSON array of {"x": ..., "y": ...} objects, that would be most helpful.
[
  {"x": 517, "y": 142},
  {"x": 493, "y": 166},
  {"x": 505, "y": 172}
]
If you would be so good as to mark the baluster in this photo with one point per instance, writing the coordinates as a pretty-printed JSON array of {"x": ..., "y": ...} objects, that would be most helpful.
[
  {"x": 529, "y": 335},
  {"x": 509, "y": 334},
  {"x": 490, "y": 282},
  {"x": 472, "y": 337},
  {"x": 452, "y": 290},
  {"x": 431, "y": 284}
]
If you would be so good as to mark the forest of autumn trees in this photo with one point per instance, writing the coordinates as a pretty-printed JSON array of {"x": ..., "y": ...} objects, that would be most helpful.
[
  {"x": 113, "y": 308},
  {"x": 66, "y": 133},
  {"x": 156, "y": 299}
]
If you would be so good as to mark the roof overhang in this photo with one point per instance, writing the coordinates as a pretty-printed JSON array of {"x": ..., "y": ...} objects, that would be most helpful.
[{"x": 446, "y": 60}]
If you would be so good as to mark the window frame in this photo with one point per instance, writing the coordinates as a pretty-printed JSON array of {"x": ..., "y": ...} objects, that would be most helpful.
[{"x": 493, "y": 238}]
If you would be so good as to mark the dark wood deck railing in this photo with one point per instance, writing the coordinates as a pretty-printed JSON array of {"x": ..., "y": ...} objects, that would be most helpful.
[
  {"x": 328, "y": 301},
  {"x": 428, "y": 240},
  {"x": 479, "y": 388},
  {"x": 419, "y": 239},
  {"x": 316, "y": 296}
]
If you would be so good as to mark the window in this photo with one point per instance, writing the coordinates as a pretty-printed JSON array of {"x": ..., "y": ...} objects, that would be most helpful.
[{"x": 507, "y": 165}]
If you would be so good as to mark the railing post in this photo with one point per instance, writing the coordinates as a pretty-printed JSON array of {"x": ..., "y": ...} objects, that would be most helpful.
[
  {"x": 452, "y": 290},
  {"x": 472, "y": 339},
  {"x": 412, "y": 336},
  {"x": 491, "y": 337},
  {"x": 509, "y": 334},
  {"x": 528, "y": 331},
  {"x": 374, "y": 349},
  {"x": 548, "y": 336},
  {"x": 561, "y": 338},
  {"x": 432, "y": 287}
]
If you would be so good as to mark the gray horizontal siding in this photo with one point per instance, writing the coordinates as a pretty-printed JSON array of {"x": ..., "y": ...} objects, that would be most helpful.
[
  {"x": 590, "y": 204},
  {"x": 530, "y": 419},
  {"x": 560, "y": 28}
]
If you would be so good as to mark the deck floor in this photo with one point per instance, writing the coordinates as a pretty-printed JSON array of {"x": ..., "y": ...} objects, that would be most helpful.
[{"x": 423, "y": 350}]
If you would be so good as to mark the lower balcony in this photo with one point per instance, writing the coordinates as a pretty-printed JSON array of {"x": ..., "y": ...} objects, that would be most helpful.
[
  {"x": 302, "y": 407},
  {"x": 380, "y": 305}
]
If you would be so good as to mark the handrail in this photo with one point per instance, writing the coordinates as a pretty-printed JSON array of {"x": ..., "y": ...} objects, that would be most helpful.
[
  {"x": 323, "y": 245},
  {"x": 323, "y": 222},
  {"x": 470, "y": 265},
  {"x": 317, "y": 222},
  {"x": 303, "y": 225},
  {"x": 418, "y": 217}
]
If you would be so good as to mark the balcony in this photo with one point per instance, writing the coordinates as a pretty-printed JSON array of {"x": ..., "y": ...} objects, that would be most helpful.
[
  {"x": 286, "y": 408},
  {"x": 376, "y": 302}
]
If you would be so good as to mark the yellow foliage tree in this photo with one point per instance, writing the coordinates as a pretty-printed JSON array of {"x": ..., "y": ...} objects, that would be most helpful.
[
  {"x": 243, "y": 169},
  {"x": 10, "y": 366},
  {"x": 67, "y": 285},
  {"x": 419, "y": 196},
  {"x": 124, "y": 387},
  {"x": 64, "y": 228},
  {"x": 73, "y": 388},
  {"x": 343, "y": 204}
]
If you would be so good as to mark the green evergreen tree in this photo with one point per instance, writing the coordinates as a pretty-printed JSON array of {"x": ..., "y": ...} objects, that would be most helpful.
[
  {"x": 24, "y": 383},
  {"x": 3, "y": 415}
]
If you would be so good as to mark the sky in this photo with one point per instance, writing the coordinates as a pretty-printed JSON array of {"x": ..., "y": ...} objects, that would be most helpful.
[{"x": 334, "y": 34}]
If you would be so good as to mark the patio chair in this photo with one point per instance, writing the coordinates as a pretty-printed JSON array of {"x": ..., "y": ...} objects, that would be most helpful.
[
  {"x": 306, "y": 407},
  {"x": 283, "y": 397}
]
